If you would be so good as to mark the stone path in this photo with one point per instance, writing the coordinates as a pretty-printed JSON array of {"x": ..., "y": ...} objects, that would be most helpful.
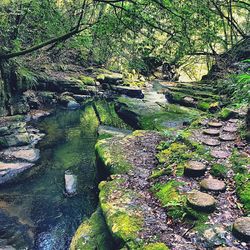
[{"x": 220, "y": 138}]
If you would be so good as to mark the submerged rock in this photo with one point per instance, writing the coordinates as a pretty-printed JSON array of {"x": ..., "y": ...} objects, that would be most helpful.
[
  {"x": 70, "y": 183},
  {"x": 73, "y": 105}
]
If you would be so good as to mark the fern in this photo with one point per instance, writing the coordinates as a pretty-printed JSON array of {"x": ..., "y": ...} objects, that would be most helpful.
[{"x": 27, "y": 78}]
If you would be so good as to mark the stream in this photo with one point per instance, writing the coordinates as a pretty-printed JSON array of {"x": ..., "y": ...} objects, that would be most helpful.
[{"x": 36, "y": 214}]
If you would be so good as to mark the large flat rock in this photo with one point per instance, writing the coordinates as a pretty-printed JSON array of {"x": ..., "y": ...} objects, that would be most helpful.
[
  {"x": 21, "y": 153},
  {"x": 10, "y": 171}
]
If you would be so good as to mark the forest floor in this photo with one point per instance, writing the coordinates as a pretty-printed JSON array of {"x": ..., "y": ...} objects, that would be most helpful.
[{"x": 184, "y": 189}]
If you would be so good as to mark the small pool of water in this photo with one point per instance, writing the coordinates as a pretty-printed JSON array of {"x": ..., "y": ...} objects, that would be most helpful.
[{"x": 35, "y": 213}]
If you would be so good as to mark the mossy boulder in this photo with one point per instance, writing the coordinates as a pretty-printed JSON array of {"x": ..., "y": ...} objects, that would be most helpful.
[
  {"x": 142, "y": 114},
  {"x": 110, "y": 78},
  {"x": 111, "y": 155},
  {"x": 93, "y": 234},
  {"x": 124, "y": 217}
]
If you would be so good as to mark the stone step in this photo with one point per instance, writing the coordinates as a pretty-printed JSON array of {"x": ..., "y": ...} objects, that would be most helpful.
[
  {"x": 211, "y": 184},
  {"x": 215, "y": 124},
  {"x": 227, "y": 137},
  {"x": 230, "y": 129},
  {"x": 195, "y": 168},
  {"x": 241, "y": 228},
  {"x": 212, "y": 132},
  {"x": 211, "y": 142},
  {"x": 201, "y": 201},
  {"x": 220, "y": 154}
]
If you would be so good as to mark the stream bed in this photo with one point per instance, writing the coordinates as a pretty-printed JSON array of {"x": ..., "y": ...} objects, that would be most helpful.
[{"x": 35, "y": 213}]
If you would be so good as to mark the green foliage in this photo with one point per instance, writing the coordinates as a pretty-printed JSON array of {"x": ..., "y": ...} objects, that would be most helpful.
[
  {"x": 225, "y": 114},
  {"x": 237, "y": 87},
  {"x": 27, "y": 79},
  {"x": 87, "y": 80},
  {"x": 170, "y": 198},
  {"x": 219, "y": 170},
  {"x": 243, "y": 190},
  {"x": 239, "y": 162},
  {"x": 175, "y": 152}
]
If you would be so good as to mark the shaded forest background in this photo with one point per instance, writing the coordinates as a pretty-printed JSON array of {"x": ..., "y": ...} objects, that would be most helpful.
[{"x": 121, "y": 35}]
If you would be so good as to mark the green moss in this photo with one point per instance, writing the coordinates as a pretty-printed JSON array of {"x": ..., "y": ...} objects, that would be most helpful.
[
  {"x": 87, "y": 80},
  {"x": 239, "y": 162},
  {"x": 172, "y": 154},
  {"x": 219, "y": 170},
  {"x": 170, "y": 197},
  {"x": 193, "y": 92},
  {"x": 155, "y": 246},
  {"x": 154, "y": 117},
  {"x": 225, "y": 114},
  {"x": 243, "y": 190},
  {"x": 198, "y": 216},
  {"x": 100, "y": 77},
  {"x": 92, "y": 234},
  {"x": 204, "y": 106},
  {"x": 175, "y": 154},
  {"x": 112, "y": 156},
  {"x": 107, "y": 114},
  {"x": 124, "y": 221}
]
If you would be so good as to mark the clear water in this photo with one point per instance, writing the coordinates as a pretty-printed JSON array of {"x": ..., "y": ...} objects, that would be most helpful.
[{"x": 35, "y": 213}]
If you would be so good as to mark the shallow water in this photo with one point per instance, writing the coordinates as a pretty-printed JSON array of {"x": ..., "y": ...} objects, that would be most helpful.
[{"x": 35, "y": 212}]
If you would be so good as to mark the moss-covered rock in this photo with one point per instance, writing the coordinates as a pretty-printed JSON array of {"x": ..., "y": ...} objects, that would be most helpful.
[
  {"x": 149, "y": 115},
  {"x": 123, "y": 217},
  {"x": 92, "y": 234},
  {"x": 112, "y": 156}
]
